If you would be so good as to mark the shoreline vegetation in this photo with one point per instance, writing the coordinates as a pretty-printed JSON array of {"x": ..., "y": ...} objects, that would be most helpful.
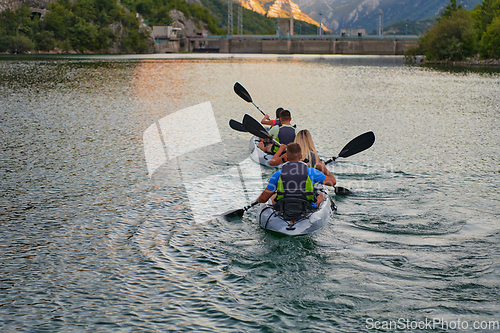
[
  {"x": 462, "y": 37},
  {"x": 468, "y": 62},
  {"x": 114, "y": 26},
  {"x": 458, "y": 38}
]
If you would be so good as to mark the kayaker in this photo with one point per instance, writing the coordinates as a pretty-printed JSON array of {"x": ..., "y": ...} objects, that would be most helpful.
[
  {"x": 272, "y": 122},
  {"x": 284, "y": 134},
  {"x": 295, "y": 179},
  {"x": 309, "y": 153}
]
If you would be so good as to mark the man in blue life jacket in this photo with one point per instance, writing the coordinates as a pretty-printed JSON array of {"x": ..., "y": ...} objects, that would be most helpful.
[
  {"x": 296, "y": 180},
  {"x": 284, "y": 133}
]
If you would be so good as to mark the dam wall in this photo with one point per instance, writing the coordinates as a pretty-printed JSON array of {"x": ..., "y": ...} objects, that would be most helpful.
[{"x": 394, "y": 45}]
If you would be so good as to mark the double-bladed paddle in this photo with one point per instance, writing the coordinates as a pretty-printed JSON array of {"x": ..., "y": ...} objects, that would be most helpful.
[
  {"x": 238, "y": 212},
  {"x": 243, "y": 93},
  {"x": 256, "y": 128},
  {"x": 236, "y": 125},
  {"x": 356, "y": 145}
]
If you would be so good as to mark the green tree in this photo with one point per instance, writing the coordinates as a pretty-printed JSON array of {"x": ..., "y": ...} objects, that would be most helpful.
[
  {"x": 449, "y": 10},
  {"x": 489, "y": 45},
  {"x": 83, "y": 35},
  {"x": 484, "y": 16},
  {"x": 16, "y": 44},
  {"x": 45, "y": 41},
  {"x": 18, "y": 22},
  {"x": 66, "y": 45},
  {"x": 452, "y": 38},
  {"x": 134, "y": 40},
  {"x": 58, "y": 19},
  {"x": 484, "y": 13}
]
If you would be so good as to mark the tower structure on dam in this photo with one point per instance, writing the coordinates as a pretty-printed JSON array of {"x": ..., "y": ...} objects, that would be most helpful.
[{"x": 229, "y": 17}]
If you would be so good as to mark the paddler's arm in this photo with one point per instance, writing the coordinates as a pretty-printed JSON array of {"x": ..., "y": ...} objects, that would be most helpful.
[
  {"x": 267, "y": 121},
  {"x": 270, "y": 188},
  {"x": 265, "y": 195},
  {"x": 329, "y": 178},
  {"x": 277, "y": 158}
]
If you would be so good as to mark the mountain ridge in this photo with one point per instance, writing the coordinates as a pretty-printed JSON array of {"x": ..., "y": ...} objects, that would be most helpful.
[
  {"x": 277, "y": 8},
  {"x": 337, "y": 14}
]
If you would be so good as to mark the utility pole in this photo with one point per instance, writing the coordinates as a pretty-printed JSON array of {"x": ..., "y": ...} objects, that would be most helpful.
[
  {"x": 320, "y": 24},
  {"x": 240, "y": 20},
  {"x": 380, "y": 25},
  {"x": 229, "y": 17}
]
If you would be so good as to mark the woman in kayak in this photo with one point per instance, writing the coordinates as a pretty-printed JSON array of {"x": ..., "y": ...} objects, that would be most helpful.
[
  {"x": 295, "y": 179},
  {"x": 309, "y": 153}
]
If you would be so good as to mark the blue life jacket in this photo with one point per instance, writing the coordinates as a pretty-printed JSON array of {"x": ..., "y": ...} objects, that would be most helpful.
[{"x": 295, "y": 182}]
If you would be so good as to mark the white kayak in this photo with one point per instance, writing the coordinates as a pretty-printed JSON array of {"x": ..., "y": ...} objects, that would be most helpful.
[
  {"x": 258, "y": 155},
  {"x": 272, "y": 219}
]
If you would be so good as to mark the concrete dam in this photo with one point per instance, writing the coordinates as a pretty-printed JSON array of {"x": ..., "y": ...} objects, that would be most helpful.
[{"x": 366, "y": 45}]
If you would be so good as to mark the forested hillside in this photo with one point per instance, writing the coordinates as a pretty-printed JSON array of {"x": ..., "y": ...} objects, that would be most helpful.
[
  {"x": 81, "y": 26},
  {"x": 105, "y": 26},
  {"x": 461, "y": 33},
  {"x": 213, "y": 13}
]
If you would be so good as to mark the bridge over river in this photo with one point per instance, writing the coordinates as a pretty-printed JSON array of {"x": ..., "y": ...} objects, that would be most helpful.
[{"x": 369, "y": 45}]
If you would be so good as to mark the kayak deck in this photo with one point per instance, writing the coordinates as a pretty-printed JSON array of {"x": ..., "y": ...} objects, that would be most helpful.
[
  {"x": 257, "y": 154},
  {"x": 271, "y": 219}
]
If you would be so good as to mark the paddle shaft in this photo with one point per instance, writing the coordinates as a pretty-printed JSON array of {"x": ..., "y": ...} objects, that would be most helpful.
[
  {"x": 243, "y": 93},
  {"x": 331, "y": 160},
  {"x": 239, "y": 212},
  {"x": 259, "y": 109}
]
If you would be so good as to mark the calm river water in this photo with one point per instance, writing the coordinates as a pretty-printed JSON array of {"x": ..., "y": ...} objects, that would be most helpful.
[{"x": 91, "y": 242}]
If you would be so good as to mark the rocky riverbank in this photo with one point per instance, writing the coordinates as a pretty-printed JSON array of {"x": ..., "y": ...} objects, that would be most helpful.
[{"x": 468, "y": 62}]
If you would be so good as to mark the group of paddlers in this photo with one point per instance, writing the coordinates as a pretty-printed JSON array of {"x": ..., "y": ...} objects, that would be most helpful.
[{"x": 302, "y": 167}]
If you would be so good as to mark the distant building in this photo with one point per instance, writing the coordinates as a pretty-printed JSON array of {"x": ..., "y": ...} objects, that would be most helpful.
[
  {"x": 285, "y": 26},
  {"x": 352, "y": 32},
  {"x": 164, "y": 32}
]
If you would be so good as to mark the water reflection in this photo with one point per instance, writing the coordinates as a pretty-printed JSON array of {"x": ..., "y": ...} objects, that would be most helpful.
[
  {"x": 455, "y": 69},
  {"x": 89, "y": 241}
]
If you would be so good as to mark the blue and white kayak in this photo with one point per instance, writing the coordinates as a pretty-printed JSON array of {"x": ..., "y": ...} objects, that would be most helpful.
[
  {"x": 258, "y": 155},
  {"x": 272, "y": 219}
]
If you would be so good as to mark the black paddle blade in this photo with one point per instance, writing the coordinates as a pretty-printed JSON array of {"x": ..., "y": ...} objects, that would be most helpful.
[
  {"x": 242, "y": 92},
  {"x": 358, "y": 144},
  {"x": 238, "y": 212},
  {"x": 236, "y": 125},
  {"x": 233, "y": 213},
  {"x": 254, "y": 127},
  {"x": 339, "y": 190}
]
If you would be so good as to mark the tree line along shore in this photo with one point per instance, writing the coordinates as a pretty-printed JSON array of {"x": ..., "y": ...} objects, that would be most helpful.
[
  {"x": 463, "y": 36},
  {"x": 113, "y": 26},
  {"x": 109, "y": 26}
]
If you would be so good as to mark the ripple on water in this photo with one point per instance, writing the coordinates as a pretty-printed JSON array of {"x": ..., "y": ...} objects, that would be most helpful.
[{"x": 91, "y": 243}]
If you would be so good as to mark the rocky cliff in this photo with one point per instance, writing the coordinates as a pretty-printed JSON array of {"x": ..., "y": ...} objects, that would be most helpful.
[
  {"x": 277, "y": 8},
  {"x": 14, "y": 4}
]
